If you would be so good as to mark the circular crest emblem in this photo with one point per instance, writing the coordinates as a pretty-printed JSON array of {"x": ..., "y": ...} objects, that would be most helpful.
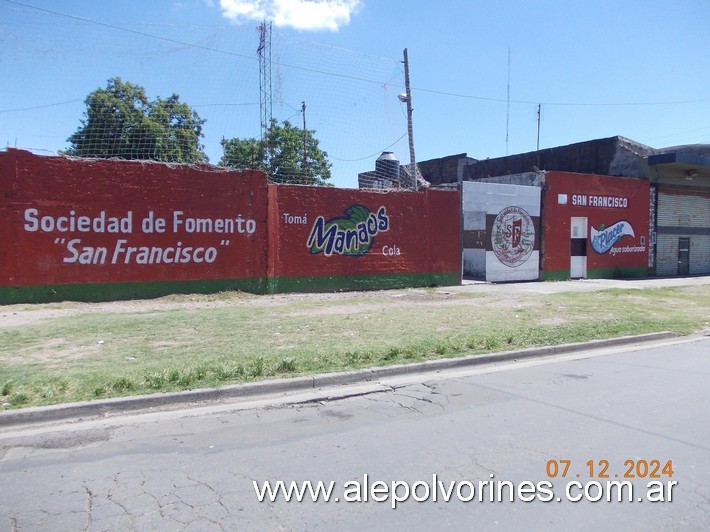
[{"x": 513, "y": 236}]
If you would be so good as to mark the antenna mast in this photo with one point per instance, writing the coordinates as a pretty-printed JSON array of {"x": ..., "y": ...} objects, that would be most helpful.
[
  {"x": 539, "y": 108},
  {"x": 265, "y": 100},
  {"x": 507, "y": 108}
]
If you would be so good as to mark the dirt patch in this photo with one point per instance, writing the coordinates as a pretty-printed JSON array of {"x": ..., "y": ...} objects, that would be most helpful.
[
  {"x": 52, "y": 354},
  {"x": 316, "y": 304},
  {"x": 470, "y": 293}
]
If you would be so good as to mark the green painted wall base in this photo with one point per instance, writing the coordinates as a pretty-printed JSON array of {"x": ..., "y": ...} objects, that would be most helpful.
[
  {"x": 123, "y": 291},
  {"x": 361, "y": 282},
  {"x": 601, "y": 273}
]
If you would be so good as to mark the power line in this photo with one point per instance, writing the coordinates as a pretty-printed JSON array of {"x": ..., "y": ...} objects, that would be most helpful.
[
  {"x": 368, "y": 157},
  {"x": 357, "y": 78},
  {"x": 198, "y": 46},
  {"x": 43, "y": 106},
  {"x": 224, "y": 104},
  {"x": 128, "y": 30},
  {"x": 560, "y": 104}
]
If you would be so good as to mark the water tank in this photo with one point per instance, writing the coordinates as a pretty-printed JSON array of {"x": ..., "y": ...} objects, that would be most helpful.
[{"x": 387, "y": 168}]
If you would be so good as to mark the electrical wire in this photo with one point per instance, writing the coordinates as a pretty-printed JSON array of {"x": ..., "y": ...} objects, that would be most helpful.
[
  {"x": 356, "y": 78},
  {"x": 33, "y": 108},
  {"x": 369, "y": 157}
]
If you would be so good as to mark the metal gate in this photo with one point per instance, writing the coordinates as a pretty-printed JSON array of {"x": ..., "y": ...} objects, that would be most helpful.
[{"x": 682, "y": 216}]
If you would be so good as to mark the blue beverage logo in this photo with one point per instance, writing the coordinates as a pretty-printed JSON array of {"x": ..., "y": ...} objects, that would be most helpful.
[{"x": 604, "y": 238}]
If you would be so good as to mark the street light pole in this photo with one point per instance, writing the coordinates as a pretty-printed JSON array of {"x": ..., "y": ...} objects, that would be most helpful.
[{"x": 410, "y": 129}]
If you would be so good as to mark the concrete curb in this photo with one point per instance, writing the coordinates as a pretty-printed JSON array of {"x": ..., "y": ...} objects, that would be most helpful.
[{"x": 297, "y": 384}]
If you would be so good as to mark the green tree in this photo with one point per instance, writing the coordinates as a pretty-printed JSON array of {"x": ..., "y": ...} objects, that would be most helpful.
[
  {"x": 281, "y": 155},
  {"x": 121, "y": 122}
]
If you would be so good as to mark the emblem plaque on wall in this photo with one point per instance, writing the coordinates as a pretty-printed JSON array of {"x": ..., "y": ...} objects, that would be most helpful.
[{"x": 513, "y": 236}]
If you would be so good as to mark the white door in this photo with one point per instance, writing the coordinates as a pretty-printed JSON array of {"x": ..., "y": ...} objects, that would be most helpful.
[{"x": 578, "y": 253}]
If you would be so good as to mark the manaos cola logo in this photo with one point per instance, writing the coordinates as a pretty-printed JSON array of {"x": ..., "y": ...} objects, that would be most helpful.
[
  {"x": 605, "y": 237},
  {"x": 513, "y": 236},
  {"x": 352, "y": 234}
]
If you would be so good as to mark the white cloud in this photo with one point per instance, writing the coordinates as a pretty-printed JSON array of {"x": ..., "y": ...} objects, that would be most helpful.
[{"x": 309, "y": 15}]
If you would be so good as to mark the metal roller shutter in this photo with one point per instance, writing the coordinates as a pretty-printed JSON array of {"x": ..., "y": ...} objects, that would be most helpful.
[{"x": 683, "y": 216}]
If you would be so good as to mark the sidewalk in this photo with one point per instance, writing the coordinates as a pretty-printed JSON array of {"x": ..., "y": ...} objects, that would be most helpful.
[{"x": 578, "y": 285}]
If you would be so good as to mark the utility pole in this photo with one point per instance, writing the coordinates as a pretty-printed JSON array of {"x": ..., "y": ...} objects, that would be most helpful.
[
  {"x": 537, "y": 151},
  {"x": 410, "y": 129},
  {"x": 305, "y": 145}
]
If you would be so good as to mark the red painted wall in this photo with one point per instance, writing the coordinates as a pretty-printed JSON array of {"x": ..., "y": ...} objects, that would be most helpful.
[
  {"x": 402, "y": 232},
  {"x": 69, "y": 223},
  {"x": 604, "y": 201},
  {"x": 56, "y": 217},
  {"x": 444, "y": 224}
]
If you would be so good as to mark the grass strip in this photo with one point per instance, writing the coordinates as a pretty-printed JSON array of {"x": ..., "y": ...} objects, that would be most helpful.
[{"x": 92, "y": 355}]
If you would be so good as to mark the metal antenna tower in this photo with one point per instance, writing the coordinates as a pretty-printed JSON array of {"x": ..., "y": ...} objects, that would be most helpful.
[{"x": 265, "y": 100}]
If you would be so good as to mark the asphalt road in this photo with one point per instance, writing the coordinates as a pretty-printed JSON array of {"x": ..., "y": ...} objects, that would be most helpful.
[{"x": 194, "y": 469}]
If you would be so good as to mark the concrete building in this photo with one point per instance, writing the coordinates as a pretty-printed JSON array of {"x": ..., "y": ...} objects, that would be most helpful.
[{"x": 680, "y": 209}]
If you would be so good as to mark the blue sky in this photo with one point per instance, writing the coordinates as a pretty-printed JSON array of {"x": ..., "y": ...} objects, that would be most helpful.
[{"x": 479, "y": 70}]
